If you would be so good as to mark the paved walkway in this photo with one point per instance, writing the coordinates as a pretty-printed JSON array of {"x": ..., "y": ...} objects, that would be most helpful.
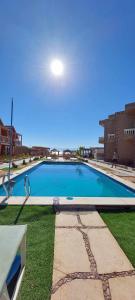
[
  {"x": 119, "y": 170},
  {"x": 123, "y": 176},
  {"x": 88, "y": 262},
  {"x": 18, "y": 162}
]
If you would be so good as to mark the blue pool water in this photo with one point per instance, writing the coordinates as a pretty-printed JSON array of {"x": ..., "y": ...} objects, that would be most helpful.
[{"x": 69, "y": 179}]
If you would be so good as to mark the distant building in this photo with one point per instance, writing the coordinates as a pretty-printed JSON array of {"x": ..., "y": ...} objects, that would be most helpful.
[
  {"x": 40, "y": 151},
  {"x": 119, "y": 135},
  {"x": 67, "y": 153},
  {"x": 54, "y": 152},
  {"x": 98, "y": 153},
  {"x": 92, "y": 152},
  {"x": 5, "y": 139},
  {"x": 85, "y": 152}
]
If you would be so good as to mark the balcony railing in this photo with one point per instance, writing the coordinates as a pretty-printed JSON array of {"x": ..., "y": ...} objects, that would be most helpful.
[
  {"x": 18, "y": 143},
  {"x": 4, "y": 140},
  {"x": 111, "y": 137},
  {"x": 101, "y": 140},
  {"x": 129, "y": 133}
]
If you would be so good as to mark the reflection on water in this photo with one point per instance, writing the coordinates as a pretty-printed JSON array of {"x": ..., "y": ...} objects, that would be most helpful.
[{"x": 79, "y": 171}]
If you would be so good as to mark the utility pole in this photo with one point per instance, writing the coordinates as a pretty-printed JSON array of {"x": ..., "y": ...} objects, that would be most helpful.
[{"x": 11, "y": 147}]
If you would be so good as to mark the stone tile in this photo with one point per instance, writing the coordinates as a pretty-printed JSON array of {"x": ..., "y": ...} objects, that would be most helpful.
[
  {"x": 70, "y": 254},
  {"x": 83, "y": 202},
  {"x": 122, "y": 288},
  {"x": 91, "y": 218},
  {"x": 107, "y": 253},
  {"x": 66, "y": 219},
  {"x": 80, "y": 290}
]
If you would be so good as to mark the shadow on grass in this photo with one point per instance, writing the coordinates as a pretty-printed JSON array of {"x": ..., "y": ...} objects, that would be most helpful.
[
  {"x": 3, "y": 206},
  {"x": 116, "y": 210},
  {"x": 46, "y": 211},
  {"x": 36, "y": 216},
  {"x": 20, "y": 211}
]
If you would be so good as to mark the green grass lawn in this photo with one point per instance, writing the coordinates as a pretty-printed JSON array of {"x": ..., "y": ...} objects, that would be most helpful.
[
  {"x": 40, "y": 246},
  {"x": 122, "y": 226}
]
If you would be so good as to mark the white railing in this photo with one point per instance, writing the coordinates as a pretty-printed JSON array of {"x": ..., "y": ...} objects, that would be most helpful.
[
  {"x": 129, "y": 131},
  {"x": 111, "y": 135},
  {"x": 18, "y": 143}
]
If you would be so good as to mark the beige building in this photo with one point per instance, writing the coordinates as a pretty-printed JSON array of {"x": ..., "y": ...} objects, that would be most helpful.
[{"x": 119, "y": 135}]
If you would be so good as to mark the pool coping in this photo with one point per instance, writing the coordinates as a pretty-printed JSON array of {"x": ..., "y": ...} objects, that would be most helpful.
[
  {"x": 63, "y": 201},
  {"x": 71, "y": 201},
  {"x": 120, "y": 180}
]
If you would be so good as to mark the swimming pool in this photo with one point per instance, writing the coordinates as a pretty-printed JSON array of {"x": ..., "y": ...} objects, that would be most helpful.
[{"x": 70, "y": 180}]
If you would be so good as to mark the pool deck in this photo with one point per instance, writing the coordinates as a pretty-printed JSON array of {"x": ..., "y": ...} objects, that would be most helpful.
[
  {"x": 63, "y": 201},
  {"x": 88, "y": 262},
  {"x": 72, "y": 201}
]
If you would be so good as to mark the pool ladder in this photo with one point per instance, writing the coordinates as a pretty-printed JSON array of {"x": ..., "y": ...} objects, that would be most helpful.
[
  {"x": 27, "y": 186},
  {"x": 8, "y": 185}
]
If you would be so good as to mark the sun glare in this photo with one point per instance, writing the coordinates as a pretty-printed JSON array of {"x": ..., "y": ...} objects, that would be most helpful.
[{"x": 57, "y": 67}]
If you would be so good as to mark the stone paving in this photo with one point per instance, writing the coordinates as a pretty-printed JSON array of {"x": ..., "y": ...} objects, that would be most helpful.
[
  {"x": 127, "y": 173},
  {"x": 122, "y": 176},
  {"x": 88, "y": 262}
]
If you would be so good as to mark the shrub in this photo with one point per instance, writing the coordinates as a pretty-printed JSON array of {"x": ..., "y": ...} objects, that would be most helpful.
[
  {"x": 36, "y": 158},
  {"x": 24, "y": 162},
  {"x": 14, "y": 165}
]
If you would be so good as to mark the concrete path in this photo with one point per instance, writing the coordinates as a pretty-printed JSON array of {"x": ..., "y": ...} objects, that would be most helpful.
[
  {"x": 18, "y": 162},
  {"x": 119, "y": 170},
  {"x": 88, "y": 262}
]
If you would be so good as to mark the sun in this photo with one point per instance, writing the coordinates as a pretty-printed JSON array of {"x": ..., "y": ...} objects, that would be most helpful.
[{"x": 57, "y": 67}]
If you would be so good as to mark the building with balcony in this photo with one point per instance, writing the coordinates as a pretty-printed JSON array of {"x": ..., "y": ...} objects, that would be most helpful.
[
  {"x": 16, "y": 139},
  {"x": 119, "y": 135}
]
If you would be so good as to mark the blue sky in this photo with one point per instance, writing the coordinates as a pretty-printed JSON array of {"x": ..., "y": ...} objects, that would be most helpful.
[{"x": 96, "y": 42}]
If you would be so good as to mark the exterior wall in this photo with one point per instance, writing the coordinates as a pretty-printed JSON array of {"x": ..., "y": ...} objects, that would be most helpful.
[
  {"x": 115, "y": 138},
  {"x": 109, "y": 144}
]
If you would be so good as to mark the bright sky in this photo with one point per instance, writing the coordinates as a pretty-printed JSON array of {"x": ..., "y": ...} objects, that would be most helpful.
[{"x": 95, "y": 40}]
